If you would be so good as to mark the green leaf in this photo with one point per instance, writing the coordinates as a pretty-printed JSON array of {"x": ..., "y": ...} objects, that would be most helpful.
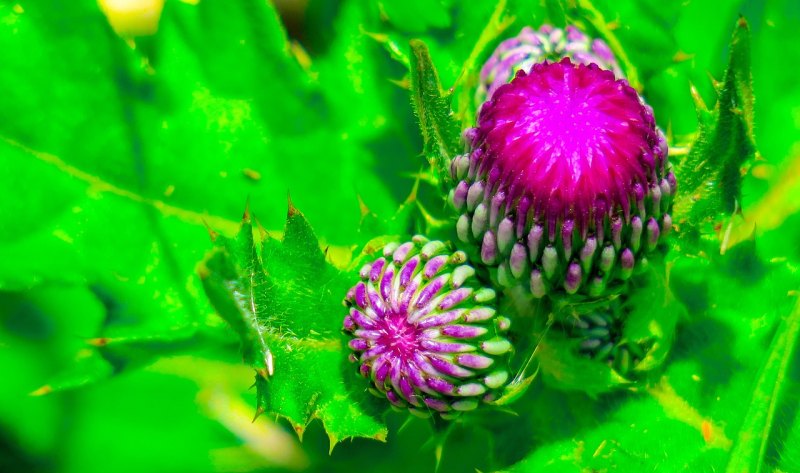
[
  {"x": 416, "y": 16},
  {"x": 751, "y": 444},
  {"x": 710, "y": 176},
  {"x": 285, "y": 301},
  {"x": 689, "y": 418},
  {"x": 440, "y": 131},
  {"x": 141, "y": 143}
]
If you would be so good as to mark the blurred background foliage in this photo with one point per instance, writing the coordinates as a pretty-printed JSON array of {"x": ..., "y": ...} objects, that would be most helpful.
[{"x": 122, "y": 140}]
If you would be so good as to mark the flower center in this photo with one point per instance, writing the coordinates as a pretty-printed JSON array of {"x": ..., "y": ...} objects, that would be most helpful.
[
  {"x": 571, "y": 137},
  {"x": 400, "y": 337}
]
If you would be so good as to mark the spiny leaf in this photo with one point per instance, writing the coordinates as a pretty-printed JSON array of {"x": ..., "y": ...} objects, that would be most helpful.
[
  {"x": 231, "y": 275},
  {"x": 710, "y": 175},
  {"x": 284, "y": 301},
  {"x": 440, "y": 131}
]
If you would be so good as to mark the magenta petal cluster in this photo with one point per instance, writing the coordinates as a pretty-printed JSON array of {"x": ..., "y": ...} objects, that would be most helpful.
[
  {"x": 567, "y": 185},
  {"x": 531, "y": 47},
  {"x": 425, "y": 332}
]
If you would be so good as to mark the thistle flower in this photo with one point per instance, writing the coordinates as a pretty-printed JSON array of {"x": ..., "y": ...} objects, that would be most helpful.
[
  {"x": 531, "y": 47},
  {"x": 567, "y": 186},
  {"x": 424, "y": 331}
]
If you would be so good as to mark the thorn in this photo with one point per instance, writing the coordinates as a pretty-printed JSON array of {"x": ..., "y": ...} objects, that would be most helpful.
[
  {"x": 402, "y": 83},
  {"x": 379, "y": 37},
  {"x": 333, "y": 440},
  {"x": 362, "y": 206},
  {"x": 299, "y": 430},
  {"x": 714, "y": 82},
  {"x": 406, "y": 423},
  {"x": 412, "y": 196},
  {"x": 293, "y": 212},
  {"x": 263, "y": 233},
  {"x": 259, "y": 410},
  {"x": 246, "y": 214},
  {"x": 211, "y": 233},
  {"x": 742, "y": 23},
  {"x": 699, "y": 103}
]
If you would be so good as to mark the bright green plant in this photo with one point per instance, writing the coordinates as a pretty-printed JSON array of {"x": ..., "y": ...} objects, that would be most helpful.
[{"x": 132, "y": 288}]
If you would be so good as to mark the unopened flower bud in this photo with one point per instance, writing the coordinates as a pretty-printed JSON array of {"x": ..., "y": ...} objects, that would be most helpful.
[
  {"x": 531, "y": 47},
  {"x": 601, "y": 338},
  {"x": 425, "y": 332}
]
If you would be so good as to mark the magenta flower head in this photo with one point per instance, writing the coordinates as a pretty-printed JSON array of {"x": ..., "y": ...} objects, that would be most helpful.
[
  {"x": 567, "y": 185},
  {"x": 425, "y": 332},
  {"x": 531, "y": 47}
]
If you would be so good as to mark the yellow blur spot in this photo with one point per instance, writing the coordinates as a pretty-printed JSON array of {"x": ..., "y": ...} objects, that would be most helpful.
[
  {"x": 133, "y": 17},
  {"x": 62, "y": 235},
  {"x": 251, "y": 174}
]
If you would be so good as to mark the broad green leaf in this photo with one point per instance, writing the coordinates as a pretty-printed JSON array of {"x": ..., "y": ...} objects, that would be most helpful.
[
  {"x": 144, "y": 142},
  {"x": 285, "y": 301},
  {"x": 116, "y": 156},
  {"x": 710, "y": 176}
]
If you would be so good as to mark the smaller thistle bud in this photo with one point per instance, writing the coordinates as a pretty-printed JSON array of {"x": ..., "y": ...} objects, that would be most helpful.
[
  {"x": 614, "y": 342},
  {"x": 531, "y": 47},
  {"x": 602, "y": 339},
  {"x": 425, "y": 332},
  {"x": 567, "y": 186}
]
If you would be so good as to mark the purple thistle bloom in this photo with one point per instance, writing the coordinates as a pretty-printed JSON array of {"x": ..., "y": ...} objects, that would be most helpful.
[
  {"x": 425, "y": 332},
  {"x": 531, "y": 47},
  {"x": 567, "y": 185}
]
